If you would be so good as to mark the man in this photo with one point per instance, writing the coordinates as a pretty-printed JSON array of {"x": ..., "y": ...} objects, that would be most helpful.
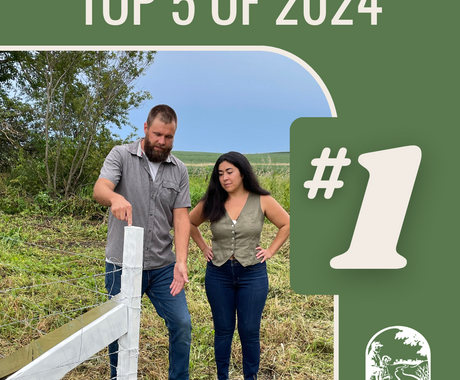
[
  {"x": 146, "y": 186},
  {"x": 374, "y": 361}
]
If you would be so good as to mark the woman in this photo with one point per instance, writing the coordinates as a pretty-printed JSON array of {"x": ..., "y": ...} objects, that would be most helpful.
[{"x": 236, "y": 274}]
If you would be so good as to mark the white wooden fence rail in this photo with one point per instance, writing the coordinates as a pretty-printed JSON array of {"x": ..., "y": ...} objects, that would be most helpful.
[{"x": 121, "y": 321}]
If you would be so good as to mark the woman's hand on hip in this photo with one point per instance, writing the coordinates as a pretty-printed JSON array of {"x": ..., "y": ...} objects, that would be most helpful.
[
  {"x": 263, "y": 254},
  {"x": 207, "y": 253}
]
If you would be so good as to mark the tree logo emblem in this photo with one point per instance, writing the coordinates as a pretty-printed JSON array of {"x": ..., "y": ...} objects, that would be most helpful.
[{"x": 398, "y": 353}]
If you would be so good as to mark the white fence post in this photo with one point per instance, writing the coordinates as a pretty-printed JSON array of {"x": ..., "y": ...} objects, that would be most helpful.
[
  {"x": 120, "y": 322},
  {"x": 131, "y": 283}
]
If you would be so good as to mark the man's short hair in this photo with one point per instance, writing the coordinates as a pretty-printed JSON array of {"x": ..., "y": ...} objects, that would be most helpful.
[{"x": 165, "y": 113}]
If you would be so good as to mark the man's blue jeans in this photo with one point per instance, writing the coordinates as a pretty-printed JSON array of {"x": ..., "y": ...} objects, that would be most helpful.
[
  {"x": 174, "y": 311},
  {"x": 234, "y": 290}
]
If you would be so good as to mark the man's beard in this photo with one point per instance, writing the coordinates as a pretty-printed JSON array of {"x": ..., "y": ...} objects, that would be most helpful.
[{"x": 155, "y": 155}]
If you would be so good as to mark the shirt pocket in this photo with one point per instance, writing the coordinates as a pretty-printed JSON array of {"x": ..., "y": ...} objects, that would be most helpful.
[{"x": 168, "y": 192}]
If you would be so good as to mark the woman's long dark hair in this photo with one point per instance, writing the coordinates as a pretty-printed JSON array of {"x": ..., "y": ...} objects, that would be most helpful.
[{"x": 215, "y": 196}]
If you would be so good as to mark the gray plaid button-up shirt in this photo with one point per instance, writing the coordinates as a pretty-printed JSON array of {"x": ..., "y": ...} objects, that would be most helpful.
[{"x": 152, "y": 201}]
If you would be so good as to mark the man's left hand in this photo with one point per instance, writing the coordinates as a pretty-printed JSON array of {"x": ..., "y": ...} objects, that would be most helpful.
[{"x": 180, "y": 278}]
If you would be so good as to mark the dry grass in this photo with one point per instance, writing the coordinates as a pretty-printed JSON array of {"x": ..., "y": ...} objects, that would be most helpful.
[{"x": 296, "y": 332}]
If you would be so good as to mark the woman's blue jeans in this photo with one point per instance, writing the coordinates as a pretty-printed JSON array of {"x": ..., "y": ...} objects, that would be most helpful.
[
  {"x": 237, "y": 291},
  {"x": 174, "y": 311}
]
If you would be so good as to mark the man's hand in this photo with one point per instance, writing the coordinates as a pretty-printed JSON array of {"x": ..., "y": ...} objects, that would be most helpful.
[
  {"x": 181, "y": 239},
  {"x": 122, "y": 209},
  {"x": 105, "y": 195},
  {"x": 180, "y": 278}
]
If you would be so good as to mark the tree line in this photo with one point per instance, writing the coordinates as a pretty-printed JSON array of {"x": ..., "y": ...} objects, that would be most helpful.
[{"x": 57, "y": 109}]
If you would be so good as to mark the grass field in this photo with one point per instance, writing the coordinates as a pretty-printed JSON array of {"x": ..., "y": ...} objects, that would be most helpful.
[
  {"x": 60, "y": 270},
  {"x": 211, "y": 158}
]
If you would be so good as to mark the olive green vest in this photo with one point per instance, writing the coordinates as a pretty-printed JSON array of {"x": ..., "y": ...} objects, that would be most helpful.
[{"x": 239, "y": 239}]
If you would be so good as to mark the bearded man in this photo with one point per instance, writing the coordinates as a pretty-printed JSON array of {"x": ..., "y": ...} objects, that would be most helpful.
[{"x": 146, "y": 186}]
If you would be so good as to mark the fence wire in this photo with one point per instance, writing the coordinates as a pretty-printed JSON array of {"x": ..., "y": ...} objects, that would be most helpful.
[{"x": 24, "y": 295}]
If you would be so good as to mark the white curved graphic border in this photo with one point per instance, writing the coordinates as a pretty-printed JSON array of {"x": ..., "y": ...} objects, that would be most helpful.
[{"x": 197, "y": 48}]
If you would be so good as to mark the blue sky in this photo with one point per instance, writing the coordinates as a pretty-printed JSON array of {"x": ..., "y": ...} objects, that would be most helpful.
[{"x": 230, "y": 100}]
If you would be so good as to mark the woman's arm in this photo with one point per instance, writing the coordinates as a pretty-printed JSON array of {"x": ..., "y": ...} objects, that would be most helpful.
[
  {"x": 280, "y": 218},
  {"x": 196, "y": 219}
]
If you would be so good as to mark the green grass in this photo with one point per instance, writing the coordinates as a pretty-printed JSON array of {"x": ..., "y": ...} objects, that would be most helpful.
[
  {"x": 271, "y": 178},
  {"x": 254, "y": 158},
  {"x": 296, "y": 332}
]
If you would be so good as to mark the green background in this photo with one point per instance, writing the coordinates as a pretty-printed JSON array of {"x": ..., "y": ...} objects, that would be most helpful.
[
  {"x": 416, "y": 296},
  {"x": 392, "y": 84}
]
